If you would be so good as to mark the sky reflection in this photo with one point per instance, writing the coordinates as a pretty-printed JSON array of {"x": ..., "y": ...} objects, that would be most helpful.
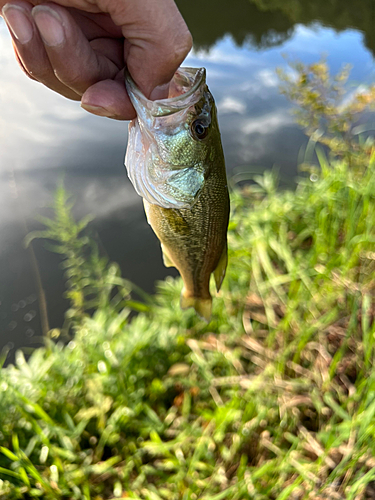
[{"x": 44, "y": 137}]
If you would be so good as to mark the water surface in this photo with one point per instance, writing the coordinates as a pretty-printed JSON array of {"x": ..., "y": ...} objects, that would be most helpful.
[{"x": 44, "y": 137}]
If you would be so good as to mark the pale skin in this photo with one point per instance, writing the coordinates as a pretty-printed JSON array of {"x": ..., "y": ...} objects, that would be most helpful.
[{"x": 79, "y": 48}]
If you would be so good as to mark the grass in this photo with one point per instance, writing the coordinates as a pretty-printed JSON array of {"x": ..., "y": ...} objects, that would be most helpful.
[{"x": 274, "y": 399}]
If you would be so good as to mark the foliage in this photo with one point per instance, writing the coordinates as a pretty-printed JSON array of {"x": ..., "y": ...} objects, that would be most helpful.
[
  {"x": 274, "y": 399},
  {"x": 329, "y": 114},
  {"x": 92, "y": 282}
]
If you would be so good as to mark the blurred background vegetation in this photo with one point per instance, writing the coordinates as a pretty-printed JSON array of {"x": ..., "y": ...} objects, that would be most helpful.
[{"x": 274, "y": 399}]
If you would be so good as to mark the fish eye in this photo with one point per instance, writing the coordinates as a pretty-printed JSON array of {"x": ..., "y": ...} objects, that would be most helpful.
[{"x": 199, "y": 129}]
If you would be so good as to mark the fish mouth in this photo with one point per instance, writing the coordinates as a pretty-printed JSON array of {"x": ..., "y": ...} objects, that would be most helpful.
[
  {"x": 153, "y": 177},
  {"x": 188, "y": 83}
]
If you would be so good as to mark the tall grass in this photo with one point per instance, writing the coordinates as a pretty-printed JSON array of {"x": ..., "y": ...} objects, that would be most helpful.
[{"x": 274, "y": 399}]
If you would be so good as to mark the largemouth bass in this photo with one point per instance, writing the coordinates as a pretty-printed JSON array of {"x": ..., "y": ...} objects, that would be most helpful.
[{"x": 175, "y": 161}]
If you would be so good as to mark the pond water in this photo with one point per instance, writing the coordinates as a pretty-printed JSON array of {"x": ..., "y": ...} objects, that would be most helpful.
[{"x": 44, "y": 138}]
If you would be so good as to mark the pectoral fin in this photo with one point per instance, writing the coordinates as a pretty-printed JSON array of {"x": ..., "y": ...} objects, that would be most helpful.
[
  {"x": 219, "y": 272},
  {"x": 146, "y": 206},
  {"x": 166, "y": 260}
]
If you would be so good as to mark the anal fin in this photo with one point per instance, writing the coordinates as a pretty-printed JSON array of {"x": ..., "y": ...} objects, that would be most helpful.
[
  {"x": 166, "y": 259},
  {"x": 219, "y": 272}
]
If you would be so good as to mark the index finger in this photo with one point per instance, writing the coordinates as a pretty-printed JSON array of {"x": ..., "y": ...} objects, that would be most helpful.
[{"x": 157, "y": 38}]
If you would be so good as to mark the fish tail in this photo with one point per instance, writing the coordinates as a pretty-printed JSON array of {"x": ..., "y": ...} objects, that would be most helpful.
[{"x": 203, "y": 307}]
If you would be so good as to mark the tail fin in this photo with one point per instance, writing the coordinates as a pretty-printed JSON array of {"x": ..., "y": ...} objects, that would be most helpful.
[{"x": 202, "y": 307}]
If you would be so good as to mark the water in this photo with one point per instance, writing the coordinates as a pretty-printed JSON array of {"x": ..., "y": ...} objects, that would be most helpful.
[{"x": 44, "y": 138}]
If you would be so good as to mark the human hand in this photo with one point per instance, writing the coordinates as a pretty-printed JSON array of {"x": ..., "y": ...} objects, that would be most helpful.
[{"x": 79, "y": 48}]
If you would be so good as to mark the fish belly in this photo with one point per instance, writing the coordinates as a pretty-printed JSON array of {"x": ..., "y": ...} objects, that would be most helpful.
[{"x": 195, "y": 242}]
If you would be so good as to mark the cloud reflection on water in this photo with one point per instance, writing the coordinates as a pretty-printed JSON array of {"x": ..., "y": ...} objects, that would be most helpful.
[{"x": 44, "y": 136}]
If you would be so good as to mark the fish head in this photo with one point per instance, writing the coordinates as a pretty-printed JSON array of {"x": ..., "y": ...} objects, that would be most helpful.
[{"x": 170, "y": 144}]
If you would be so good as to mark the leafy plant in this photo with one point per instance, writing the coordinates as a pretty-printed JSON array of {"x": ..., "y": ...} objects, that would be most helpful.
[
  {"x": 330, "y": 113},
  {"x": 92, "y": 282},
  {"x": 274, "y": 399}
]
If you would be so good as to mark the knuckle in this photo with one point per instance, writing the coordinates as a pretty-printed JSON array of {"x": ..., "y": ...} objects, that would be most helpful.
[
  {"x": 22, "y": 65},
  {"x": 182, "y": 43},
  {"x": 72, "y": 80},
  {"x": 29, "y": 74},
  {"x": 185, "y": 46},
  {"x": 39, "y": 72},
  {"x": 42, "y": 75},
  {"x": 188, "y": 41}
]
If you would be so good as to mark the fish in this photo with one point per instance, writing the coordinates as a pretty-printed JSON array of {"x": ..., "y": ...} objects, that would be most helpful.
[{"x": 175, "y": 161}]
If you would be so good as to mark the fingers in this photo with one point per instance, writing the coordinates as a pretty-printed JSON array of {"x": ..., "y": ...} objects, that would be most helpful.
[
  {"x": 18, "y": 59},
  {"x": 81, "y": 53},
  {"x": 74, "y": 61},
  {"x": 54, "y": 50},
  {"x": 109, "y": 98},
  {"x": 29, "y": 47},
  {"x": 157, "y": 39}
]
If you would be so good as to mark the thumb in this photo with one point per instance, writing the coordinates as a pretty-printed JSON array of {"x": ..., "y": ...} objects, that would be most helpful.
[{"x": 157, "y": 40}]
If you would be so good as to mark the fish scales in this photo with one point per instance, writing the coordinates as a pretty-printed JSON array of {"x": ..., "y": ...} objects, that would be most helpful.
[{"x": 176, "y": 163}]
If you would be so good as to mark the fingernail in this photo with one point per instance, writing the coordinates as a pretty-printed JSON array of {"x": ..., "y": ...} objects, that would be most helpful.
[
  {"x": 50, "y": 25},
  {"x": 19, "y": 24},
  {"x": 97, "y": 110}
]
